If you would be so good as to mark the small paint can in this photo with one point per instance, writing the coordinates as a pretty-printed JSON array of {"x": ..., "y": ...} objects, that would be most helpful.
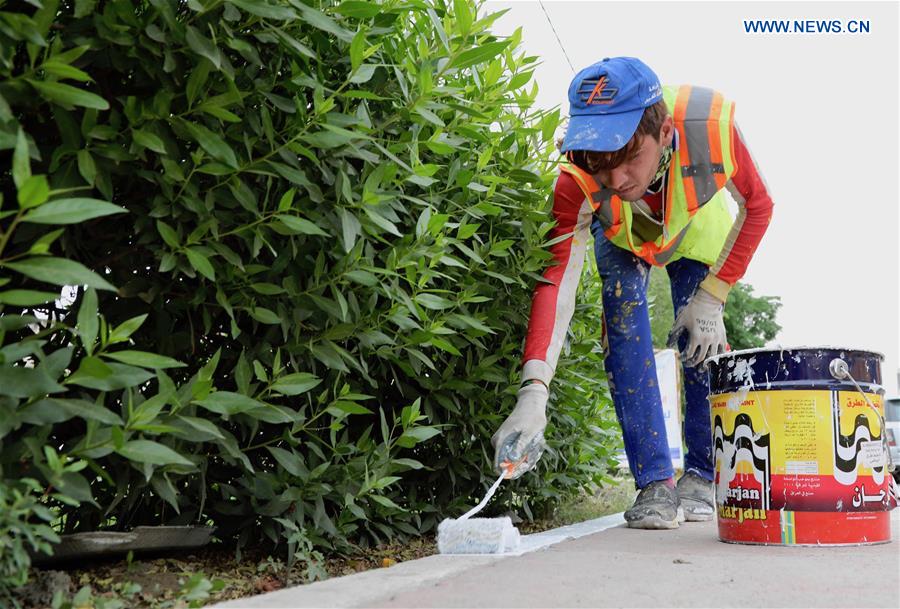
[{"x": 799, "y": 448}]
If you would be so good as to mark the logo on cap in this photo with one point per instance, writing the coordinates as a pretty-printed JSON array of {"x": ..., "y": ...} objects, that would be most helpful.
[{"x": 595, "y": 92}]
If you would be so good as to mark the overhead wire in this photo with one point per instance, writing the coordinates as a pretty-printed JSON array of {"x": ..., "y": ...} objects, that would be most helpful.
[{"x": 562, "y": 48}]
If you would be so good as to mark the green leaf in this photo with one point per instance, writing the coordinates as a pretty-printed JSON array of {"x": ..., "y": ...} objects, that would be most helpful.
[
  {"x": 300, "y": 225},
  {"x": 320, "y": 20},
  {"x": 287, "y": 199},
  {"x": 145, "y": 414},
  {"x": 143, "y": 359},
  {"x": 168, "y": 234},
  {"x": 269, "y": 289},
  {"x": 439, "y": 28},
  {"x": 463, "y": 16},
  {"x": 88, "y": 411},
  {"x": 67, "y": 95},
  {"x": 83, "y": 8},
  {"x": 94, "y": 367},
  {"x": 296, "y": 383},
  {"x": 148, "y": 140},
  {"x": 86, "y": 166},
  {"x": 88, "y": 324},
  {"x": 228, "y": 403},
  {"x": 26, "y": 298},
  {"x": 364, "y": 277},
  {"x": 203, "y": 426},
  {"x": 21, "y": 165},
  {"x": 445, "y": 345},
  {"x": 363, "y": 74},
  {"x": 342, "y": 408},
  {"x": 43, "y": 243},
  {"x": 154, "y": 453},
  {"x": 264, "y": 315},
  {"x": 386, "y": 502},
  {"x": 196, "y": 81},
  {"x": 430, "y": 116},
  {"x": 481, "y": 54},
  {"x": 22, "y": 382},
  {"x": 350, "y": 228},
  {"x": 60, "y": 271},
  {"x": 520, "y": 79},
  {"x": 203, "y": 46},
  {"x": 410, "y": 463},
  {"x": 433, "y": 301},
  {"x": 123, "y": 331},
  {"x": 71, "y": 211},
  {"x": 328, "y": 139},
  {"x": 74, "y": 53},
  {"x": 290, "y": 461},
  {"x": 75, "y": 486},
  {"x": 381, "y": 221},
  {"x": 122, "y": 377},
  {"x": 165, "y": 489},
  {"x": 358, "y": 9},
  {"x": 416, "y": 435},
  {"x": 64, "y": 70},
  {"x": 356, "y": 49},
  {"x": 439, "y": 147},
  {"x": 263, "y": 9},
  {"x": 33, "y": 192},
  {"x": 213, "y": 144},
  {"x": 201, "y": 263}
]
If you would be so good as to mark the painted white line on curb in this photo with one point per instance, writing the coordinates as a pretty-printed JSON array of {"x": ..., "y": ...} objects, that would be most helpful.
[
  {"x": 545, "y": 539},
  {"x": 361, "y": 589},
  {"x": 537, "y": 541}
]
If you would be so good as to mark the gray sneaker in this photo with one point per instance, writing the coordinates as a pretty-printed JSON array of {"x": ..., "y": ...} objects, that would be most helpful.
[
  {"x": 656, "y": 507},
  {"x": 697, "y": 497}
]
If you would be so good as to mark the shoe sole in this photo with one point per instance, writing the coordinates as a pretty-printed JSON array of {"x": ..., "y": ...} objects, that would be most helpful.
[
  {"x": 656, "y": 523},
  {"x": 690, "y": 515},
  {"x": 652, "y": 524}
]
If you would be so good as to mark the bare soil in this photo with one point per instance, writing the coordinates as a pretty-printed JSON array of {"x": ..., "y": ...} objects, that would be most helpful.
[{"x": 161, "y": 582}]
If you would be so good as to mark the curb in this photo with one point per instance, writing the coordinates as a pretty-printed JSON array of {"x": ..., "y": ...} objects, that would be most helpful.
[{"x": 361, "y": 589}]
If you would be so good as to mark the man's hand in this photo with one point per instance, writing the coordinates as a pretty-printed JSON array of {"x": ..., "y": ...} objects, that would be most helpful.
[
  {"x": 522, "y": 434},
  {"x": 701, "y": 318}
]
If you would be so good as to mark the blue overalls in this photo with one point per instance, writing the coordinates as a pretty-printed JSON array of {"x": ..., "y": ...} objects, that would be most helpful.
[{"x": 631, "y": 366}]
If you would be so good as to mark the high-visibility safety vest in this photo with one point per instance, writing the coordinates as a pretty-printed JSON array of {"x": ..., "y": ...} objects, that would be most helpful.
[{"x": 697, "y": 220}]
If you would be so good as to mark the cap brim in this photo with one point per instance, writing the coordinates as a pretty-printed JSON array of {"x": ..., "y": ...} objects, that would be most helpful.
[{"x": 601, "y": 132}]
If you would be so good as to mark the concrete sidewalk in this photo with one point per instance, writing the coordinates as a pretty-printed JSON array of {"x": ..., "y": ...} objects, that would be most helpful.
[{"x": 621, "y": 567}]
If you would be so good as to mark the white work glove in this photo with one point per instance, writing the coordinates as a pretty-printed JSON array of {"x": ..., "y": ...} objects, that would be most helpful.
[
  {"x": 521, "y": 437},
  {"x": 701, "y": 318}
]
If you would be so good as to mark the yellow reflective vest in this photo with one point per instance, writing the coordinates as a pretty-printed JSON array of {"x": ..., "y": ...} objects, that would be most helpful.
[{"x": 696, "y": 220}]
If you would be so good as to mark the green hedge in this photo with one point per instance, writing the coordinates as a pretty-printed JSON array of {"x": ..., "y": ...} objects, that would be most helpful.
[{"x": 336, "y": 214}]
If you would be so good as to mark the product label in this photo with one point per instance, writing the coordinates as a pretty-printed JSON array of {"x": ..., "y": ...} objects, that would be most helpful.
[{"x": 816, "y": 450}]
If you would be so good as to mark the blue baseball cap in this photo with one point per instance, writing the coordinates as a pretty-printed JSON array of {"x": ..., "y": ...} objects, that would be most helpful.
[{"x": 606, "y": 103}]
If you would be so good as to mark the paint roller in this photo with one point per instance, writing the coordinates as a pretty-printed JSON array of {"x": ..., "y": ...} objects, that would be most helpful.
[{"x": 467, "y": 535}]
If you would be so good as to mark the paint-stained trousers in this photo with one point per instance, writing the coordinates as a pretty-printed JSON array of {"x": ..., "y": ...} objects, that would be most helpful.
[{"x": 631, "y": 366}]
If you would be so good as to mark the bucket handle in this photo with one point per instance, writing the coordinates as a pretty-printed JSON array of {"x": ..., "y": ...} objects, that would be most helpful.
[{"x": 841, "y": 371}]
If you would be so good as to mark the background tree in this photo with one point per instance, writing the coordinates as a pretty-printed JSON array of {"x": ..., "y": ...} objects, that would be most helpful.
[{"x": 750, "y": 321}]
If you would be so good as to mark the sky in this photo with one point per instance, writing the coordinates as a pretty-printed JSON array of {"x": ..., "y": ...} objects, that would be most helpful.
[{"x": 819, "y": 112}]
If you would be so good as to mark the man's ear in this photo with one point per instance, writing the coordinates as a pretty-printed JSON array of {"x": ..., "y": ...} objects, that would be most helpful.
[{"x": 667, "y": 131}]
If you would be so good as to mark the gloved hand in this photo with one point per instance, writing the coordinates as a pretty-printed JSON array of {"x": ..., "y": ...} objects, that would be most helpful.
[
  {"x": 522, "y": 433},
  {"x": 701, "y": 318}
]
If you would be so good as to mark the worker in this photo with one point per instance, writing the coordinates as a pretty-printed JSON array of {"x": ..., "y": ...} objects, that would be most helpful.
[{"x": 644, "y": 172}]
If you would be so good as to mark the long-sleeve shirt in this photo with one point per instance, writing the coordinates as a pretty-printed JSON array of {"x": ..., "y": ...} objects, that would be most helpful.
[{"x": 553, "y": 303}]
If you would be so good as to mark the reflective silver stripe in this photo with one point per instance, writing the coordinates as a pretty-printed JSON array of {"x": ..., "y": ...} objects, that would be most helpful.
[
  {"x": 696, "y": 117},
  {"x": 690, "y": 171},
  {"x": 699, "y": 103},
  {"x": 663, "y": 257},
  {"x": 604, "y": 213}
]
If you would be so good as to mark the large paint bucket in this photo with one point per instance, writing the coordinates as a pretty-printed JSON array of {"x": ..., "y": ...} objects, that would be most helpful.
[{"x": 799, "y": 452}]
